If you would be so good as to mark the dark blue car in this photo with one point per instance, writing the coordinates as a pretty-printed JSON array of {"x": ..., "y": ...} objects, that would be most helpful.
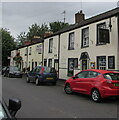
[{"x": 42, "y": 74}]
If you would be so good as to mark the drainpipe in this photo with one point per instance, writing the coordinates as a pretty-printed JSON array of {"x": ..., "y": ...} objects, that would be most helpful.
[
  {"x": 43, "y": 53},
  {"x": 58, "y": 53},
  {"x": 118, "y": 42}
]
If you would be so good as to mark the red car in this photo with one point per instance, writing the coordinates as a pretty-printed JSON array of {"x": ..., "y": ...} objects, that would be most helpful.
[{"x": 96, "y": 83}]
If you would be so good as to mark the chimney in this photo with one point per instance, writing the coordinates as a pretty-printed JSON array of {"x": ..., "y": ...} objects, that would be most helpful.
[{"x": 79, "y": 17}]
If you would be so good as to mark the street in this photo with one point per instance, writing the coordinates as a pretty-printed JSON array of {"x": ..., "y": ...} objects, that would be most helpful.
[{"x": 48, "y": 101}]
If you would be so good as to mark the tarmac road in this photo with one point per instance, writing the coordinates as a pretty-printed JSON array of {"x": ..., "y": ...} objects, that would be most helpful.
[{"x": 47, "y": 101}]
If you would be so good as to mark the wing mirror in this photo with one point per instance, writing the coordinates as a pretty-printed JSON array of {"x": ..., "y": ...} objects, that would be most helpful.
[
  {"x": 74, "y": 77},
  {"x": 14, "y": 106}
]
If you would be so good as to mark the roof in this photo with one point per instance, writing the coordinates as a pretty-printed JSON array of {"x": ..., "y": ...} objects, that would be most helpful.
[{"x": 93, "y": 19}]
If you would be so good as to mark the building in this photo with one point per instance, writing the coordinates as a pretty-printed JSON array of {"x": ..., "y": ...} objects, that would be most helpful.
[
  {"x": 89, "y": 43},
  {"x": 32, "y": 55}
]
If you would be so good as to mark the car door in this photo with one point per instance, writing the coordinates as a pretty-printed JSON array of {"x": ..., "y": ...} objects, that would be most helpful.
[
  {"x": 87, "y": 82},
  {"x": 78, "y": 81},
  {"x": 32, "y": 74}
]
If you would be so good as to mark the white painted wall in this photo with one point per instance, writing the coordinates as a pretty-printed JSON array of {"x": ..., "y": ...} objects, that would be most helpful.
[
  {"x": 54, "y": 54},
  {"x": 93, "y": 50}
]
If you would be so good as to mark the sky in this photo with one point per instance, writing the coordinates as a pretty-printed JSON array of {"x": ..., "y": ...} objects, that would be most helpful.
[{"x": 18, "y": 16}]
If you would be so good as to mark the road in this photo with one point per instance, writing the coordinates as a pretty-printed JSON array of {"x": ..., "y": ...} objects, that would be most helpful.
[{"x": 47, "y": 101}]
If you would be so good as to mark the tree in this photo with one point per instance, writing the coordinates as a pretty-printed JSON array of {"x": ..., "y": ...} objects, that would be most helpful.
[
  {"x": 21, "y": 38},
  {"x": 8, "y": 44},
  {"x": 56, "y": 26},
  {"x": 36, "y": 30}
]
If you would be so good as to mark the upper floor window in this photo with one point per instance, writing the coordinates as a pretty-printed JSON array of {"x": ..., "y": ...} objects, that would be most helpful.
[
  {"x": 30, "y": 49},
  {"x": 102, "y": 34},
  {"x": 85, "y": 37},
  {"x": 51, "y": 45},
  {"x": 71, "y": 41}
]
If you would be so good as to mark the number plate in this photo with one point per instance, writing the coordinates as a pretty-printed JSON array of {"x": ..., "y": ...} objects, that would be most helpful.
[
  {"x": 49, "y": 78},
  {"x": 116, "y": 84}
]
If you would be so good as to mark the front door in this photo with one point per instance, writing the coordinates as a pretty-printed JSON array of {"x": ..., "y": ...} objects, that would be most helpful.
[{"x": 84, "y": 64}]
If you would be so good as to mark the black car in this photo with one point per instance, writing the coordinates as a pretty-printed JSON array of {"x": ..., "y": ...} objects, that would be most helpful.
[
  {"x": 9, "y": 112},
  {"x": 42, "y": 74},
  {"x": 12, "y": 71}
]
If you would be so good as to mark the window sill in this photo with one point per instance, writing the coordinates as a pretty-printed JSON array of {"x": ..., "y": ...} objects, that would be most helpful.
[
  {"x": 70, "y": 48},
  {"x": 84, "y": 46},
  {"x": 100, "y": 44}
]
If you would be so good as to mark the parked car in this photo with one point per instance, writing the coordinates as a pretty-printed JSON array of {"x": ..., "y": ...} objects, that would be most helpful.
[
  {"x": 42, "y": 74},
  {"x": 9, "y": 112},
  {"x": 12, "y": 71},
  {"x": 96, "y": 83}
]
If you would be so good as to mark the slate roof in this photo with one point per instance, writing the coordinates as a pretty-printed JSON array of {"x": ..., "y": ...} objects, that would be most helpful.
[{"x": 93, "y": 19}]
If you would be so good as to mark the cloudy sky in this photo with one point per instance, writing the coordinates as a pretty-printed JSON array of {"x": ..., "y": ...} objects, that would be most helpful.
[{"x": 18, "y": 16}]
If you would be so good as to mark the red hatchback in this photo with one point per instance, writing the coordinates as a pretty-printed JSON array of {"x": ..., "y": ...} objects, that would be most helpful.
[{"x": 96, "y": 83}]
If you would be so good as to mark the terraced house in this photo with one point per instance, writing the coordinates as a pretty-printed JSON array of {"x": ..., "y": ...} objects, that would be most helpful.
[{"x": 89, "y": 43}]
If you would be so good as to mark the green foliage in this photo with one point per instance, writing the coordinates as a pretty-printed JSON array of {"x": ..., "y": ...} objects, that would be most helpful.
[
  {"x": 56, "y": 26},
  {"x": 21, "y": 38},
  {"x": 18, "y": 59},
  {"x": 36, "y": 30},
  {"x": 8, "y": 44}
]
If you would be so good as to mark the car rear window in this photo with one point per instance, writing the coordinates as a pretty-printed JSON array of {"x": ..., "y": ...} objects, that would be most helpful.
[
  {"x": 49, "y": 70},
  {"x": 111, "y": 76}
]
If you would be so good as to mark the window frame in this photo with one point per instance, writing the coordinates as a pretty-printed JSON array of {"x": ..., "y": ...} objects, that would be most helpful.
[
  {"x": 71, "y": 41},
  {"x": 101, "y": 26},
  {"x": 50, "y": 45},
  {"x": 85, "y": 31}
]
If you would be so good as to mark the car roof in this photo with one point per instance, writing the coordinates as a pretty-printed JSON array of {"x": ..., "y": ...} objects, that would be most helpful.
[{"x": 100, "y": 71}]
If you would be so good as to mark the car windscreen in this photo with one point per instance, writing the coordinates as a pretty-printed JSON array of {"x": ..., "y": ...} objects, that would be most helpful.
[
  {"x": 111, "y": 76},
  {"x": 14, "y": 68}
]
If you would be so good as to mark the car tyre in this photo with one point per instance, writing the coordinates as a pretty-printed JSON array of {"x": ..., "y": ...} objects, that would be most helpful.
[
  {"x": 27, "y": 80},
  {"x": 68, "y": 89},
  {"x": 9, "y": 75},
  {"x": 37, "y": 81},
  {"x": 95, "y": 95},
  {"x": 4, "y": 75},
  {"x": 54, "y": 83}
]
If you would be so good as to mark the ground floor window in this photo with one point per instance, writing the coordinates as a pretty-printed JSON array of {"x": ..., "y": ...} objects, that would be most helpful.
[
  {"x": 101, "y": 62},
  {"x": 111, "y": 62},
  {"x": 50, "y": 63},
  {"x": 72, "y": 63}
]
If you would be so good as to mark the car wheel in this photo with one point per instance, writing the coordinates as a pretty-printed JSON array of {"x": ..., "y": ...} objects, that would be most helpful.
[
  {"x": 68, "y": 89},
  {"x": 8, "y": 75},
  {"x": 27, "y": 80},
  {"x": 4, "y": 75},
  {"x": 95, "y": 95},
  {"x": 37, "y": 81},
  {"x": 54, "y": 83}
]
